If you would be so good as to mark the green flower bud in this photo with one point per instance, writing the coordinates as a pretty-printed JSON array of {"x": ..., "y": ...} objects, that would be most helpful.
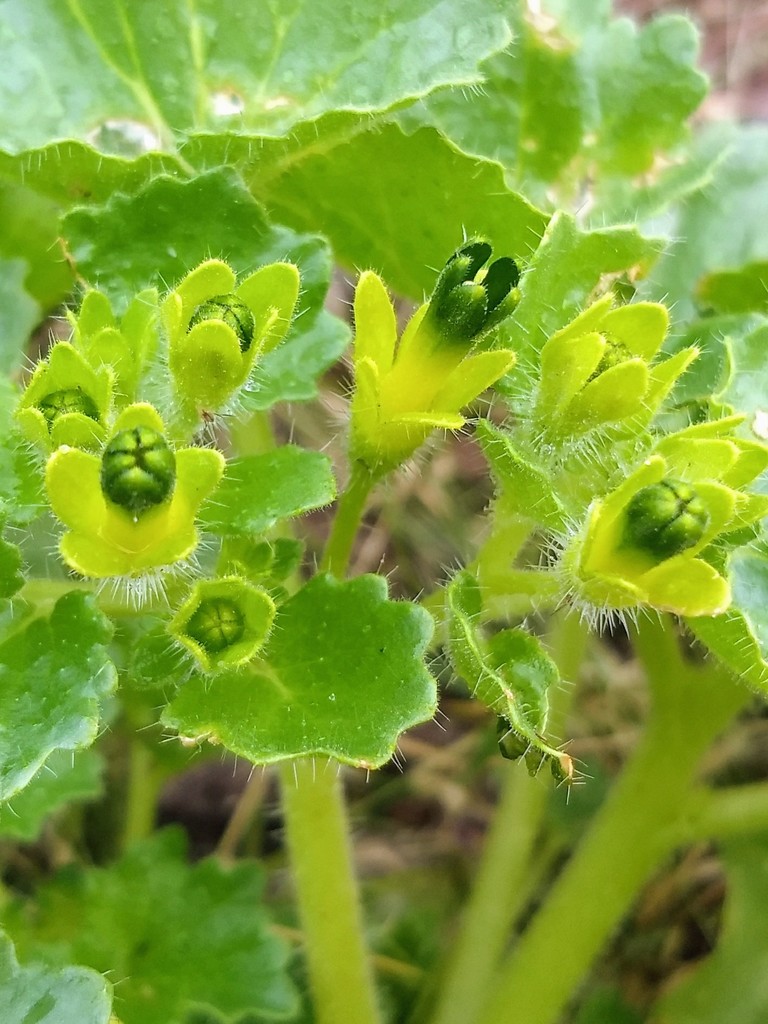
[
  {"x": 216, "y": 624},
  {"x": 138, "y": 469},
  {"x": 467, "y": 302},
  {"x": 224, "y": 622},
  {"x": 233, "y": 312},
  {"x": 664, "y": 519},
  {"x": 67, "y": 400}
]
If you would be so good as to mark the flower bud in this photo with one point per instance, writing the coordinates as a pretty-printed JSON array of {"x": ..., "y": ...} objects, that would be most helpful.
[
  {"x": 216, "y": 624},
  {"x": 67, "y": 400},
  {"x": 138, "y": 469},
  {"x": 665, "y": 518},
  {"x": 230, "y": 310},
  {"x": 224, "y": 622},
  {"x": 467, "y": 301}
]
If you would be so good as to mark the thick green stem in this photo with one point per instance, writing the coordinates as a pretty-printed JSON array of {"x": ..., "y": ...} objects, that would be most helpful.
[
  {"x": 629, "y": 836},
  {"x": 499, "y": 885},
  {"x": 144, "y": 782},
  {"x": 346, "y": 523},
  {"x": 495, "y": 899},
  {"x": 340, "y": 974},
  {"x": 723, "y": 814}
]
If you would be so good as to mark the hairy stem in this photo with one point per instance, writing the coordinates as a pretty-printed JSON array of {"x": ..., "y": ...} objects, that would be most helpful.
[
  {"x": 629, "y": 836},
  {"x": 346, "y": 523},
  {"x": 318, "y": 841},
  {"x": 144, "y": 782},
  {"x": 499, "y": 886}
]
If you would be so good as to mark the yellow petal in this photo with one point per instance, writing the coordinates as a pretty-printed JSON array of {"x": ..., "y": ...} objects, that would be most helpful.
[
  {"x": 471, "y": 377},
  {"x": 687, "y": 586},
  {"x": 375, "y": 323}
]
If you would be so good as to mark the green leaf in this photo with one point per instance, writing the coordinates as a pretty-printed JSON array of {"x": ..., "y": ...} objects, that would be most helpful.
[
  {"x": 62, "y": 780},
  {"x": 737, "y": 291},
  {"x": 169, "y": 934},
  {"x": 647, "y": 86},
  {"x": 605, "y": 89},
  {"x": 715, "y": 227},
  {"x": 257, "y": 68},
  {"x": 11, "y": 578},
  {"x": 35, "y": 994},
  {"x": 54, "y": 674},
  {"x": 65, "y": 174},
  {"x": 715, "y": 337},
  {"x": 566, "y": 267},
  {"x": 528, "y": 115},
  {"x": 290, "y": 372},
  {"x": 747, "y": 389},
  {"x": 259, "y": 490},
  {"x": 620, "y": 200},
  {"x": 18, "y": 315},
  {"x": 526, "y": 487},
  {"x": 29, "y": 231},
  {"x": 510, "y": 673},
  {"x": 21, "y": 478},
  {"x": 157, "y": 235},
  {"x": 739, "y": 638},
  {"x": 343, "y": 676},
  {"x": 153, "y": 659},
  {"x": 730, "y": 987},
  {"x": 416, "y": 192}
]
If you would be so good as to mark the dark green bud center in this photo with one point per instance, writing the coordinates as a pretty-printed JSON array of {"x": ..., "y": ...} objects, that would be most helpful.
[
  {"x": 665, "y": 518},
  {"x": 467, "y": 302},
  {"x": 616, "y": 352},
  {"x": 138, "y": 469},
  {"x": 233, "y": 312},
  {"x": 59, "y": 403},
  {"x": 216, "y": 624}
]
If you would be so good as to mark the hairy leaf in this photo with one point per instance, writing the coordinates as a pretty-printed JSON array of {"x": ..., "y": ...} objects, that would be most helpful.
[
  {"x": 259, "y": 490},
  {"x": 747, "y": 389},
  {"x": 18, "y": 314},
  {"x": 64, "y": 778},
  {"x": 510, "y": 673},
  {"x": 157, "y": 235},
  {"x": 169, "y": 934},
  {"x": 54, "y": 675},
  {"x": 127, "y": 77},
  {"x": 415, "y": 193},
  {"x": 588, "y": 87},
  {"x": 36, "y": 994},
  {"x": 715, "y": 228},
  {"x": 342, "y": 676},
  {"x": 739, "y": 638}
]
